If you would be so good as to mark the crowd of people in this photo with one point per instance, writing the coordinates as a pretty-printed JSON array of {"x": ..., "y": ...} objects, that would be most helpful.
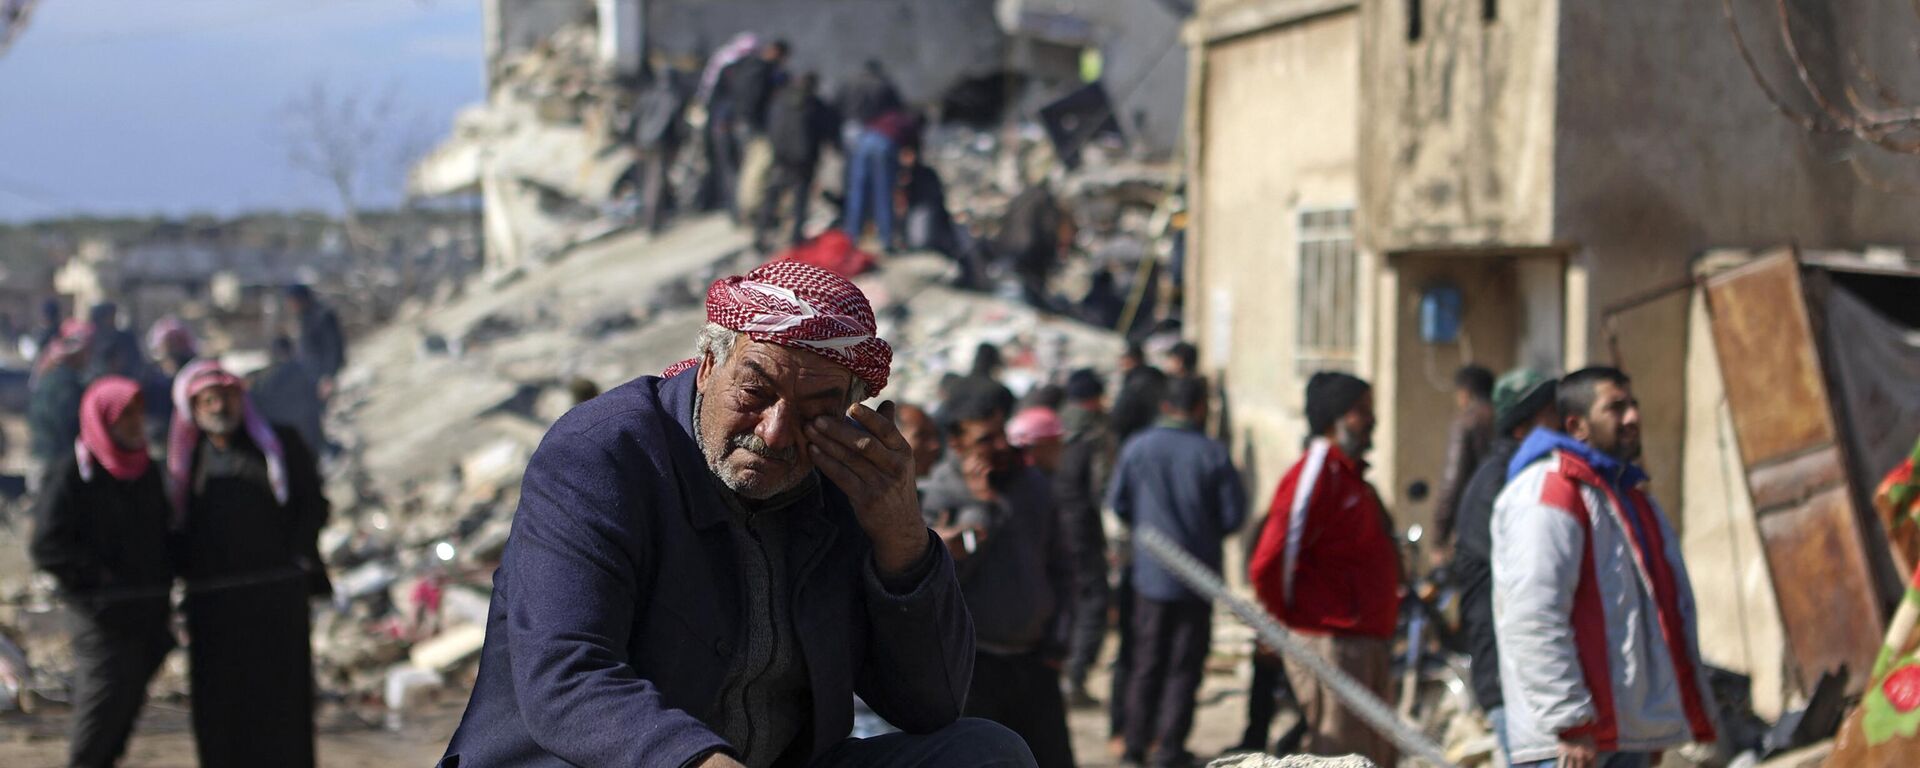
[
  {"x": 763, "y": 131},
  {"x": 164, "y": 469}
]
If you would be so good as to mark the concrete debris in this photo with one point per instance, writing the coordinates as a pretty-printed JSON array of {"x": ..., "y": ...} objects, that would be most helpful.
[{"x": 449, "y": 648}]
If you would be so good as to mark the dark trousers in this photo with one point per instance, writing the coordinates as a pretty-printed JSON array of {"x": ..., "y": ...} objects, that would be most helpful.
[
  {"x": 724, "y": 146},
  {"x": 113, "y": 663},
  {"x": 656, "y": 196},
  {"x": 1122, "y": 657},
  {"x": 1263, "y": 702},
  {"x": 784, "y": 180},
  {"x": 1169, "y": 657},
  {"x": 1089, "y": 617},
  {"x": 967, "y": 743},
  {"x": 1023, "y": 693}
]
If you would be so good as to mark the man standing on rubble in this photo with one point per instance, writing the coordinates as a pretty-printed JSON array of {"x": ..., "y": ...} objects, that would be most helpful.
[
  {"x": 800, "y": 127},
  {"x": 737, "y": 116},
  {"x": 1592, "y": 609},
  {"x": 1326, "y": 566},
  {"x": 318, "y": 341},
  {"x": 708, "y": 565},
  {"x": 287, "y": 392},
  {"x": 997, "y": 516},
  {"x": 250, "y": 512},
  {"x": 659, "y": 130},
  {"x": 1175, "y": 480}
]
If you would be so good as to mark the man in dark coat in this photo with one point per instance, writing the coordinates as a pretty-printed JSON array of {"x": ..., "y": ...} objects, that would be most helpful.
[
  {"x": 1141, "y": 388},
  {"x": 252, "y": 511},
  {"x": 1078, "y": 488},
  {"x": 53, "y": 404},
  {"x": 115, "y": 351},
  {"x": 659, "y": 130},
  {"x": 706, "y": 566},
  {"x": 1468, "y": 438},
  {"x": 287, "y": 392},
  {"x": 997, "y": 516},
  {"x": 1175, "y": 480},
  {"x": 800, "y": 127},
  {"x": 1522, "y": 401},
  {"x": 100, "y": 527},
  {"x": 319, "y": 344},
  {"x": 737, "y": 112},
  {"x": 868, "y": 94},
  {"x": 1030, "y": 240}
]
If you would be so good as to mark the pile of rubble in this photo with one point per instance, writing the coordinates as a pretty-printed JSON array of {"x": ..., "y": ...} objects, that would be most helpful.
[{"x": 543, "y": 152}]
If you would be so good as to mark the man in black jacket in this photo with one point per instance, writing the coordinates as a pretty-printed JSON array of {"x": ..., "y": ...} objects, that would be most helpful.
[
  {"x": 659, "y": 130},
  {"x": 799, "y": 126},
  {"x": 737, "y": 112},
  {"x": 1522, "y": 401},
  {"x": 1078, "y": 487},
  {"x": 100, "y": 527}
]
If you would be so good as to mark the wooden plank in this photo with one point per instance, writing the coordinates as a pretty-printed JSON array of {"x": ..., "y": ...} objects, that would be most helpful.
[{"x": 1794, "y": 480}]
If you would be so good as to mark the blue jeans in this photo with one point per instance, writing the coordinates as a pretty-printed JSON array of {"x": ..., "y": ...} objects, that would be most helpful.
[
  {"x": 1498, "y": 718},
  {"x": 871, "y": 175},
  {"x": 1608, "y": 760}
]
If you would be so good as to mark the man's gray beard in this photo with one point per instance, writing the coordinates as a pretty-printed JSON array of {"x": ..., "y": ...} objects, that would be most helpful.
[
  {"x": 1350, "y": 442},
  {"x": 730, "y": 476},
  {"x": 222, "y": 426}
]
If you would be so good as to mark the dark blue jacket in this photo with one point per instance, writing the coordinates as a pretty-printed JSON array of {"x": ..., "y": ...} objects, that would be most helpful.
[
  {"x": 1182, "y": 483},
  {"x": 615, "y": 612}
]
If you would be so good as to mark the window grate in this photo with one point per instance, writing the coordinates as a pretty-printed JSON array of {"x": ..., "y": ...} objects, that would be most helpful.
[{"x": 1326, "y": 320}]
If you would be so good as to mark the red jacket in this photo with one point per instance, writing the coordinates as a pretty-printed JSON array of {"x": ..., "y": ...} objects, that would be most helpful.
[{"x": 1326, "y": 562}]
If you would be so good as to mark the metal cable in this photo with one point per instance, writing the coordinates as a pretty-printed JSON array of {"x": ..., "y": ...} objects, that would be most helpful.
[{"x": 1203, "y": 580}]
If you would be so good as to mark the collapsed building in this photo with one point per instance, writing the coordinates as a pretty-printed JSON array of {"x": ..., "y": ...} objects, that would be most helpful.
[{"x": 545, "y": 153}]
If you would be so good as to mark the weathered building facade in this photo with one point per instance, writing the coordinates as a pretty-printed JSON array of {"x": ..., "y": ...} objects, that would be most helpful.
[{"x": 1556, "y": 167}]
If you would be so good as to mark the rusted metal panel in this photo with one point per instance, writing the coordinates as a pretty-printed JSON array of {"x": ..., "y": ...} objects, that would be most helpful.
[
  {"x": 1822, "y": 581},
  {"x": 1767, "y": 357},
  {"x": 1794, "y": 480},
  {"x": 1814, "y": 538}
]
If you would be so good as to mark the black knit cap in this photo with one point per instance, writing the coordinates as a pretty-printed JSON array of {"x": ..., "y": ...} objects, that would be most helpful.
[
  {"x": 1084, "y": 384},
  {"x": 1329, "y": 396}
]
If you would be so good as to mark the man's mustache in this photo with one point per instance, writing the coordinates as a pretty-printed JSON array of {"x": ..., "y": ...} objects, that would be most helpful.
[{"x": 751, "y": 443}]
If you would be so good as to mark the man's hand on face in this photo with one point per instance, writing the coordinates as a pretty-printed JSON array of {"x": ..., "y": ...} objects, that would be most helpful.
[
  {"x": 977, "y": 467},
  {"x": 1578, "y": 753},
  {"x": 873, "y": 465}
]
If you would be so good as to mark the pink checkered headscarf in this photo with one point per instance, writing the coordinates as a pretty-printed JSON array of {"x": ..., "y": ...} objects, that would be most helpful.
[
  {"x": 183, "y": 439},
  {"x": 802, "y": 307},
  {"x": 105, "y": 401}
]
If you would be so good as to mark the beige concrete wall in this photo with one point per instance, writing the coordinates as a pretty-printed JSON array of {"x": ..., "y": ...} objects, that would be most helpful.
[
  {"x": 1278, "y": 128},
  {"x": 1665, "y": 148},
  {"x": 1457, "y": 144},
  {"x": 1740, "y": 626}
]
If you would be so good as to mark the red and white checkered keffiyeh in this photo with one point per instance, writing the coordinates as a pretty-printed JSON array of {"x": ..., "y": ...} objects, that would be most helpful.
[
  {"x": 806, "y": 308},
  {"x": 183, "y": 436}
]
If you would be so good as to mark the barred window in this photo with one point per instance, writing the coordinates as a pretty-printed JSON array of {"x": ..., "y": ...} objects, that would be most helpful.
[{"x": 1326, "y": 325}]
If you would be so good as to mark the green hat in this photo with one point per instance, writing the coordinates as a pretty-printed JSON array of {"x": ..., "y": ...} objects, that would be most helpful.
[{"x": 1518, "y": 395}]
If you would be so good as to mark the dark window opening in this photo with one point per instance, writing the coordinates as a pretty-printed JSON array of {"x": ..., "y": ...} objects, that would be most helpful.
[
  {"x": 1489, "y": 10},
  {"x": 1413, "y": 21}
]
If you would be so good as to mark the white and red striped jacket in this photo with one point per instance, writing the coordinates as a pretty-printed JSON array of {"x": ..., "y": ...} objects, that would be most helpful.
[{"x": 1593, "y": 611}]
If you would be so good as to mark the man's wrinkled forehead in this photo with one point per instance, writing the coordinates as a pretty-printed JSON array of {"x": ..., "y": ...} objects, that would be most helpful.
[{"x": 809, "y": 376}]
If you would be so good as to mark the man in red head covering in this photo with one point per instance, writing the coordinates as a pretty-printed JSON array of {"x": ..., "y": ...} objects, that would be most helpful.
[
  {"x": 707, "y": 566},
  {"x": 100, "y": 527},
  {"x": 250, "y": 512},
  {"x": 53, "y": 405}
]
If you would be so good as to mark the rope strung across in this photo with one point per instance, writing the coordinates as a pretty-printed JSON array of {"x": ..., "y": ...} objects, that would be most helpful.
[{"x": 1200, "y": 579}]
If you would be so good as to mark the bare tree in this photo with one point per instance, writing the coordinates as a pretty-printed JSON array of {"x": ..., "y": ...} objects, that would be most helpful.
[
  {"x": 1849, "y": 98},
  {"x": 352, "y": 142}
]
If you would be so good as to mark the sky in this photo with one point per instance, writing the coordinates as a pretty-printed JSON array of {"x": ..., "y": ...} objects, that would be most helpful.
[{"x": 175, "y": 107}]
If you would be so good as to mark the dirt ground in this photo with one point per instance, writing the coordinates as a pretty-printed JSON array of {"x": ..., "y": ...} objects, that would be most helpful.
[{"x": 165, "y": 739}]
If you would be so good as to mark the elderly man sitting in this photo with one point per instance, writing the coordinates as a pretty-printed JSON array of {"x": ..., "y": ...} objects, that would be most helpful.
[{"x": 706, "y": 566}]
